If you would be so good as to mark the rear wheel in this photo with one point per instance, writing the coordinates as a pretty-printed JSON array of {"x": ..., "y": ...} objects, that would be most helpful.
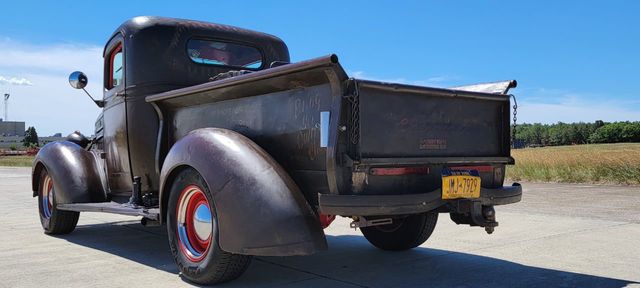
[
  {"x": 193, "y": 233},
  {"x": 53, "y": 221},
  {"x": 404, "y": 233}
]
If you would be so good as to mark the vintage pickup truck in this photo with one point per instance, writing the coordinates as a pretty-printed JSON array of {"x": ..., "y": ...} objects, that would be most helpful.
[{"x": 210, "y": 130}]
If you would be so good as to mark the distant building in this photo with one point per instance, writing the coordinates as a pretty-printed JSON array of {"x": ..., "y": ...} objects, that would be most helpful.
[
  {"x": 12, "y": 128},
  {"x": 12, "y": 133},
  {"x": 6, "y": 142}
]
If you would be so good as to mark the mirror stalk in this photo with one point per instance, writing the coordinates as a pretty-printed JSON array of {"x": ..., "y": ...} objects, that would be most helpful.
[{"x": 100, "y": 103}]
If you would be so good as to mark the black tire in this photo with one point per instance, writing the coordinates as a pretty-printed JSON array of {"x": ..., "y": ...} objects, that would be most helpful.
[
  {"x": 217, "y": 266},
  {"x": 53, "y": 221},
  {"x": 403, "y": 234}
]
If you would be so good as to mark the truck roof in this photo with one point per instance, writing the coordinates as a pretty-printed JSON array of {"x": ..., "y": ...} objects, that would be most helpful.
[
  {"x": 141, "y": 24},
  {"x": 155, "y": 50}
]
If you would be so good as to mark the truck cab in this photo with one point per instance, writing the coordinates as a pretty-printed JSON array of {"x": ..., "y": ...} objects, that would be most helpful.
[{"x": 145, "y": 56}]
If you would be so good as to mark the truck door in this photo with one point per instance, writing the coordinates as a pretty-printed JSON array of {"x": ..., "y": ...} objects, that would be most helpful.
[{"x": 115, "y": 120}]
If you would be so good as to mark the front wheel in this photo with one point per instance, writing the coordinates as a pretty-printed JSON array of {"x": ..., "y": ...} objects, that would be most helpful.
[
  {"x": 193, "y": 233},
  {"x": 53, "y": 221},
  {"x": 404, "y": 233}
]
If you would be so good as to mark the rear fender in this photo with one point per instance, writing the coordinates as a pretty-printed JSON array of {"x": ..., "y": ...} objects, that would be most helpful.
[
  {"x": 260, "y": 210},
  {"x": 75, "y": 173}
]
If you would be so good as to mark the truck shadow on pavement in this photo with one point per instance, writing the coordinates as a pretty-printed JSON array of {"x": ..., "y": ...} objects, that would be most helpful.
[{"x": 350, "y": 262}]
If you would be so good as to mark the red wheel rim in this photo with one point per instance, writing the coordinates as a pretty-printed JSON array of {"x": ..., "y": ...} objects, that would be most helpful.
[
  {"x": 194, "y": 222},
  {"x": 47, "y": 197}
]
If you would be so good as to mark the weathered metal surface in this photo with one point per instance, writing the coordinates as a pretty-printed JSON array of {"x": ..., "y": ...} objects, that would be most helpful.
[
  {"x": 249, "y": 189},
  {"x": 373, "y": 205},
  {"x": 116, "y": 134},
  {"x": 279, "y": 78},
  {"x": 112, "y": 207},
  {"x": 156, "y": 60},
  {"x": 76, "y": 173},
  {"x": 284, "y": 118},
  {"x": 404, "y": 121}
]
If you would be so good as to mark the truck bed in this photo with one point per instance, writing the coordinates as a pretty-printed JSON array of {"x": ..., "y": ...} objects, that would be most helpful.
[{"x": 370, "y": 124}]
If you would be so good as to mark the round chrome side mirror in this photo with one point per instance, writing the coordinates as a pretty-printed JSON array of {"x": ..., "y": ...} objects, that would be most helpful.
[{"x": 78, "y": 80}]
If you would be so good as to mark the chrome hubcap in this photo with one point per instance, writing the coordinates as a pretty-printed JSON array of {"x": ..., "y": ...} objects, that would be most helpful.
[
  {"x": 202, "y": 222},
  {"x": 195, "y": 224}
]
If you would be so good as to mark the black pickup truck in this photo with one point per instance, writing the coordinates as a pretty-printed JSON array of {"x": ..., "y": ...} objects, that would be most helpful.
[{"x": 210, "y": 130}]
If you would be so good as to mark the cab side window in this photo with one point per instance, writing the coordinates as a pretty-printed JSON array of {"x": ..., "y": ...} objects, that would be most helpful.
[{"x": 116, "y": 65}]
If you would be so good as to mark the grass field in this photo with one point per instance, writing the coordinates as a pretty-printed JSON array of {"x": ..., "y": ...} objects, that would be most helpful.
[
  {"x": 594, "y": 163},
  {"x": 16, "y": 161}
]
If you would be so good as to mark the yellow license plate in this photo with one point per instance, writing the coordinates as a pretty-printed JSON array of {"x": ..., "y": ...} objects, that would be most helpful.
[{"x": 460, "y": 186}]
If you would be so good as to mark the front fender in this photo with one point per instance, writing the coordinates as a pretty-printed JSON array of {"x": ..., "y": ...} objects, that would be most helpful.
[
  {"x": 261, "y": 211},
  {"x": 75, "y": 173}
]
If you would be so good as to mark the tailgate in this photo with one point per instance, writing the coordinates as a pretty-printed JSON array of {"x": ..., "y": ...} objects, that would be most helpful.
[{"x": 405, "y": 121}]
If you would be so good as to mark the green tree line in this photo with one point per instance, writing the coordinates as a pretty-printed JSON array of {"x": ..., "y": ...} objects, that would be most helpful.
[{"x": 577, "y": 133}]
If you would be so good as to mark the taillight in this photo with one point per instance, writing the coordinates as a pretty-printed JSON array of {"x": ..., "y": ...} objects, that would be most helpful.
[
  {"x": 477, "y": 168},
  {"x": 325, "y": 220},
  {"x": 395, "y": 171}
]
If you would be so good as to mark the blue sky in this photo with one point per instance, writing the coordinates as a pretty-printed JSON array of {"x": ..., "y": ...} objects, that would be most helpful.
[{"x": 574, "y": 60}]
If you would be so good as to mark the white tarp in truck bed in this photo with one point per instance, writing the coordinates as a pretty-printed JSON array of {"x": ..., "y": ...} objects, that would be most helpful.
[{"x": 500, "y": 87}]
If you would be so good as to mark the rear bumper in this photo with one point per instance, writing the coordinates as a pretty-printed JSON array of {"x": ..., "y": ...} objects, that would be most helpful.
[{"x": 372, "y": 205}]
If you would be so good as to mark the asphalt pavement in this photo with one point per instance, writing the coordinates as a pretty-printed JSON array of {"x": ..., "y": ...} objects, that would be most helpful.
[{"x": 560, "y": 235}]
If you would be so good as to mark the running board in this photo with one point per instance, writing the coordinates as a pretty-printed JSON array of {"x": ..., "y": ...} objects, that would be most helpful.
[{"x": 113, "y": 207}]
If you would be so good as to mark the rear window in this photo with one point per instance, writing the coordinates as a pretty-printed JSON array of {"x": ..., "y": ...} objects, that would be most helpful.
[{"x": 224, "y": 54}]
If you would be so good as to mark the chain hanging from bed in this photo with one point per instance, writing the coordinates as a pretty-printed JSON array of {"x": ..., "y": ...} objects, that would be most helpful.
[{"x": 515, "y": 118}]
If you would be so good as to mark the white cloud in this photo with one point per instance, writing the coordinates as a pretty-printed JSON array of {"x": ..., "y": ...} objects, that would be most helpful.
[
  {"x": 49, "y": 103},
  {"x": 363, "y": 75},
  {"x": 436, "y": 81},
  {"x": 61, "y": 58},
  {"x": 15, "y": 81}
]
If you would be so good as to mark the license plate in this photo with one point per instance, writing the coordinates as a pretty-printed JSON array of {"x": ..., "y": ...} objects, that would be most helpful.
[{"x": 460, "y": 184}]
